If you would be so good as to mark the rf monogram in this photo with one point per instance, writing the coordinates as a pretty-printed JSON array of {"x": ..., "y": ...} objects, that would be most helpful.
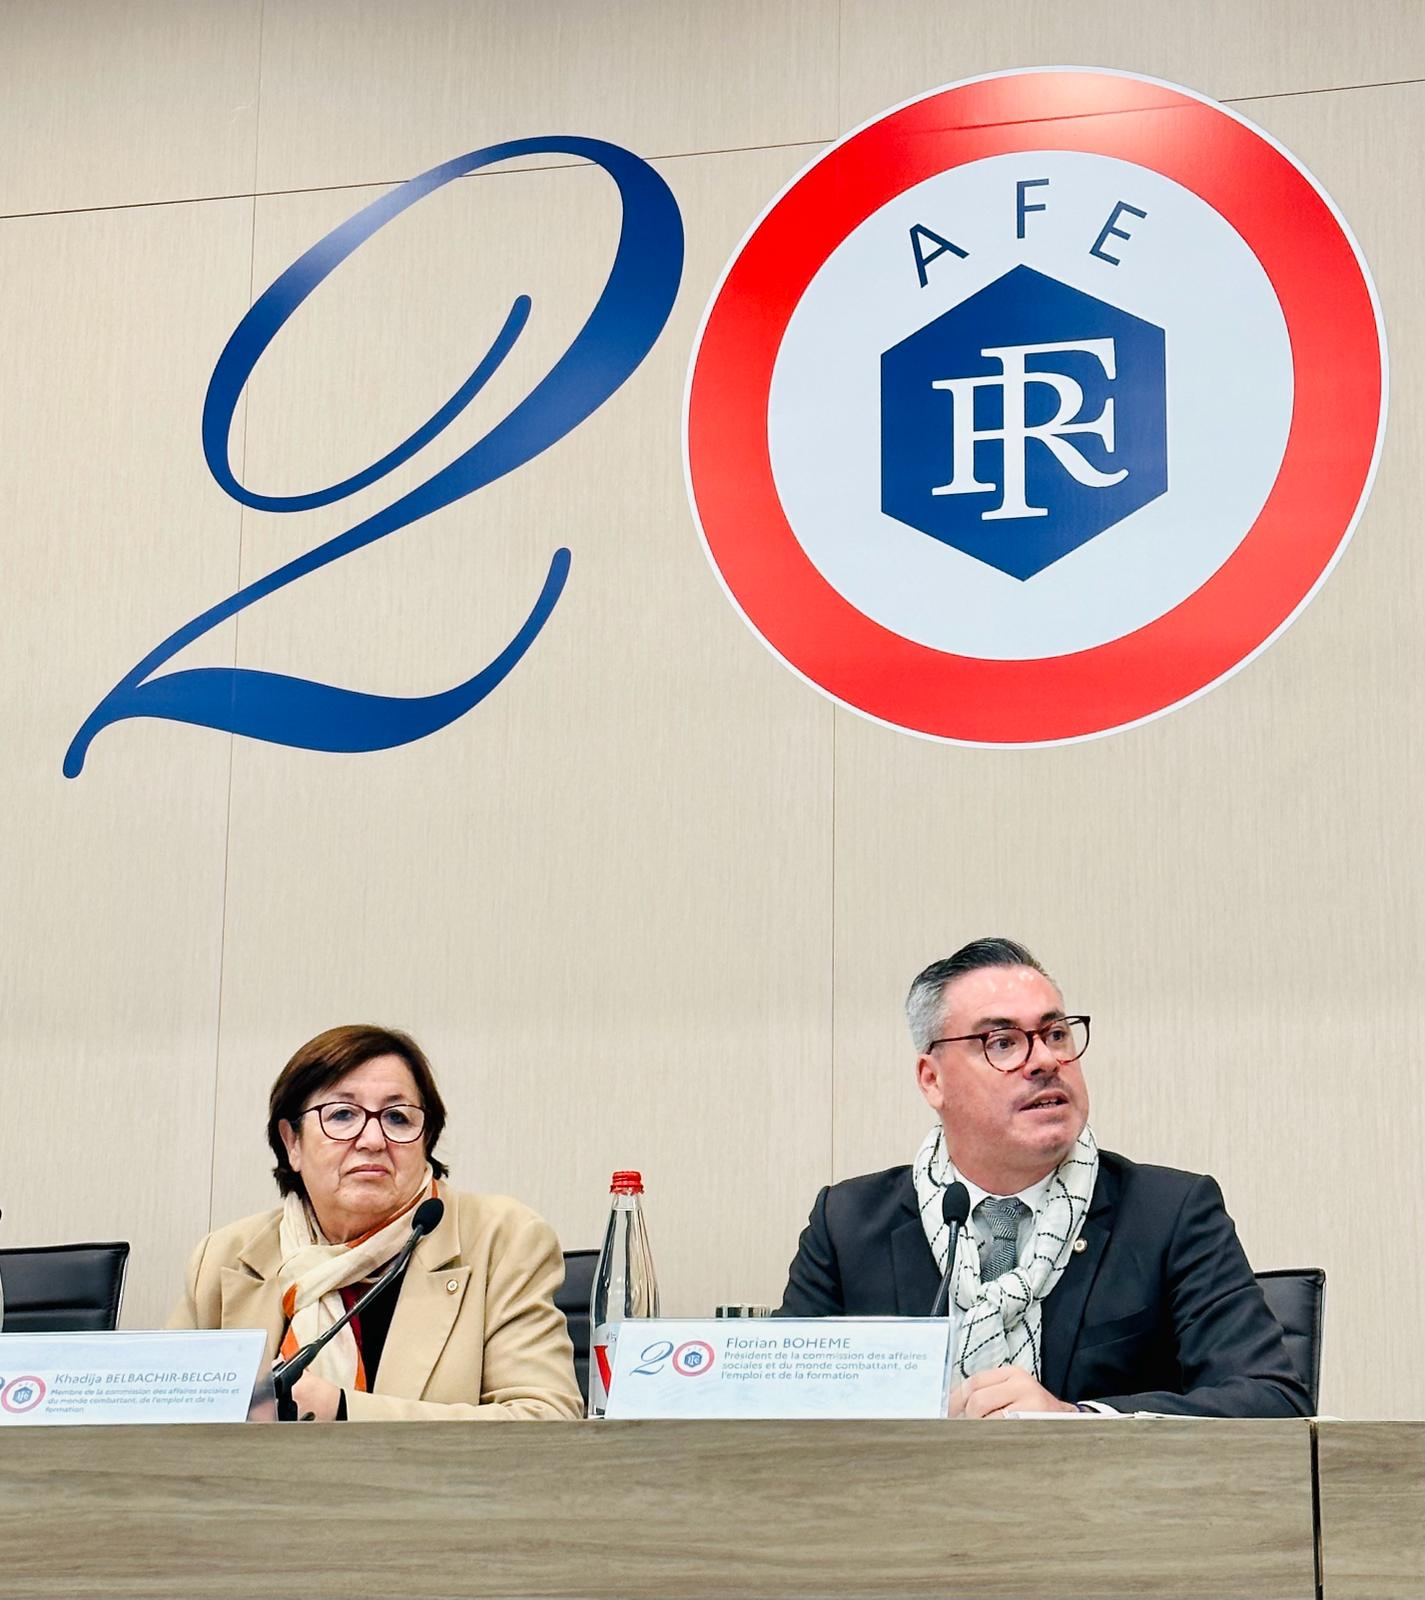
[
  {"x": 1014, "y": 381},
  {"x": 1023, "y": 422}
]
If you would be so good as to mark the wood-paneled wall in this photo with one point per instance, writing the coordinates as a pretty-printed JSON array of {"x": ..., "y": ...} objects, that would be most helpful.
[{"x": 655, "y": 902}]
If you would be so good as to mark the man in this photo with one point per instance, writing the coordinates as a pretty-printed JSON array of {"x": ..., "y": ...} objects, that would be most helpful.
[{"x": 1084, "y": 1281}]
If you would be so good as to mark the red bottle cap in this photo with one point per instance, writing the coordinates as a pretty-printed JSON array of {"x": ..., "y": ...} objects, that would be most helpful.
[{"x": 626, "y": 1183}]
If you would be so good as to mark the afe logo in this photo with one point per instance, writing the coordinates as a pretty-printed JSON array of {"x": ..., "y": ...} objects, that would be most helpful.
[
  {"x": 620, "y": 330},
  {"x": 19, "y": 1395},
  {"x": 1035, "y": 407}
]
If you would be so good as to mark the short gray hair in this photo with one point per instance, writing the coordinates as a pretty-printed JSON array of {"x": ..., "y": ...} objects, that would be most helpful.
[{"x": 925, "y": 1004}]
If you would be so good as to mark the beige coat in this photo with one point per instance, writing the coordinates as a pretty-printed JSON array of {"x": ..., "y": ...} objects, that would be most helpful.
[{"x": 475, "y": 1334}]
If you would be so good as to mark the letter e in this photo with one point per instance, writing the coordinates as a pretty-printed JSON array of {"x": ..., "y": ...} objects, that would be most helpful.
[{"x": 1109, "y": 231}]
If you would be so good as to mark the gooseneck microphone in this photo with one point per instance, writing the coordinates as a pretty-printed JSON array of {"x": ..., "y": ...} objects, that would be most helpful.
[
  {"x": 955, "y": 1209},
  {"x": 426, "y": 1219}
]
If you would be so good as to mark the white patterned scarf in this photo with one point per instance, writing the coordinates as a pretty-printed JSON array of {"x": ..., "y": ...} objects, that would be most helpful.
[
  {"x": 1000, "y": 1322},
  {"x": 313, "y": 1270}
]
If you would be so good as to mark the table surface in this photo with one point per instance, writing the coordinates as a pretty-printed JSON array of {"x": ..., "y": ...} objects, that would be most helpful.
[
  {"x": 1071, "y": 1507},
  {"x": 1372, "y": 1479}
]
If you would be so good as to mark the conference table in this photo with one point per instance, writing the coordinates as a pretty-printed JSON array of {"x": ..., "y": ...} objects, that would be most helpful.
[{"x": 1052, "y": 1507}]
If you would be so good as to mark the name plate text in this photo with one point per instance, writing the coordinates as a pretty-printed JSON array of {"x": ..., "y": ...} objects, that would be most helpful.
[
  {"x": 781, "y": 1367},
  {"x": 69, "y": 1379}
]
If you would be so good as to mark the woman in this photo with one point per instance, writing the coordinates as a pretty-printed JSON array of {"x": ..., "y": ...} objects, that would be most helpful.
[{"x": 471, "y": 1331}]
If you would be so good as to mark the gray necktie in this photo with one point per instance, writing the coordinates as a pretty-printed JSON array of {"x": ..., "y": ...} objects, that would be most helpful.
[{"x": 999, "y": 1220}]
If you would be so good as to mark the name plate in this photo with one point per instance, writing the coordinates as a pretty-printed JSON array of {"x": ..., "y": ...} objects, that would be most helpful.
[
  {"x": 781, "y": 1367},
  {"x": 72, "y": 1379}
]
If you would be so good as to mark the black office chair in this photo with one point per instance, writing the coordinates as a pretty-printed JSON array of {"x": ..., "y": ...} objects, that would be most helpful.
[
  {"x": 63, "y": 1288},
  {"x": 573, "y": 1300},
  {"x": 1296, "y": 1297}
]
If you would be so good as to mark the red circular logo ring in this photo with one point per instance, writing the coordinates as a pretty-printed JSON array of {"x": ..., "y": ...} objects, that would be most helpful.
[
  {"x": 30, "y": 1392},
  {"x": 702, "y": 1359},
  {"x": 1337, "y": 419}
]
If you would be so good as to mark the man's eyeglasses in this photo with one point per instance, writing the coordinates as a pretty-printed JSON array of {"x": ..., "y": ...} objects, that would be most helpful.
[
  {"x": 1007, "y": 1049},
  {"x": 342, "y": 1120}
]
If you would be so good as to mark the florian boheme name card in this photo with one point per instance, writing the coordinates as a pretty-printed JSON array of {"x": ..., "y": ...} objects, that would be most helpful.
[
  {"x": 60, "y": 1379},
  {"x": 781, "y": 1367}
]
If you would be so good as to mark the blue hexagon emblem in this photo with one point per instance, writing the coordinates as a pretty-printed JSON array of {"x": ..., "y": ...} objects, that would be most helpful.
[{"x": 1023, "y": 422}]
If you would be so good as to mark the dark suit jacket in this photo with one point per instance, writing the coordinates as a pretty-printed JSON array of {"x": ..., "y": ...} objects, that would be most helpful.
[{"x": 1158, "y": 1312}]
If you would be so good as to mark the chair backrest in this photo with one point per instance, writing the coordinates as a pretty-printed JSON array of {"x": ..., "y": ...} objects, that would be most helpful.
[
  {"x": 1296, "y": 1297},
  {"x": 63, "y": 1288},
  {"x": 573, "y": 1300}
]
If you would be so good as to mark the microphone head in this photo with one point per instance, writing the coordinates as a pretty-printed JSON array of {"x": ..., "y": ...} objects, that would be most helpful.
[
  {"x": 954, "y": 1205},
  {"x": 428, "y": 1215}
]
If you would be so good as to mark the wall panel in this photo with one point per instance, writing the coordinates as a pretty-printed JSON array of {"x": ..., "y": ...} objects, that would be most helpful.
[
  {"x": 112, "y": 884},
  {"x": 360, "y": 91},
  {"x": 105, "y": 104},
  {"x": 894, "y": 49}
]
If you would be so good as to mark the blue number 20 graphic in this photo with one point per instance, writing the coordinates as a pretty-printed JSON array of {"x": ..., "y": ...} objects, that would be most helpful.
[{"x": 621, "y": 329}]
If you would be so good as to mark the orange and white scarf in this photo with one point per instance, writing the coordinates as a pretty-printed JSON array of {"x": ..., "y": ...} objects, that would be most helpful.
[{"x": 313, "y": 1271}]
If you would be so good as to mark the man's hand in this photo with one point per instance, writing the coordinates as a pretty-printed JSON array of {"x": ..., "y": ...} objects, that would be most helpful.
[
  {"x": 1001, "y": 1389},
  {"x": 314, "y": 1394}
]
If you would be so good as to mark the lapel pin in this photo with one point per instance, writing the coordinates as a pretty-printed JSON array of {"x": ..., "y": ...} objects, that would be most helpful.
[
  {"x": 1079, "y": 1246},
  {"x": 451, "y": 1285}
]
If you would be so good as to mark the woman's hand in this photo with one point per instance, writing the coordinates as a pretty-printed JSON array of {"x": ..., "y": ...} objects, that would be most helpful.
[{"x": 314, "y": 1394}]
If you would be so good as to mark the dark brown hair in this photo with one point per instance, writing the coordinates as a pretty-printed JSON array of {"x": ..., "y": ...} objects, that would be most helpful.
[{"x": 331, "y": 1055}]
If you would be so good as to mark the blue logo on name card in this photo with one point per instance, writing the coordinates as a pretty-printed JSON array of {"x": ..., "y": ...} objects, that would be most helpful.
[{"x": 619, "y": 332}]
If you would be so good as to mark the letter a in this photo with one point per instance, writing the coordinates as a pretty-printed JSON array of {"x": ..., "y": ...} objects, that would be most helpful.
[{"x": 922, "y": 261}]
